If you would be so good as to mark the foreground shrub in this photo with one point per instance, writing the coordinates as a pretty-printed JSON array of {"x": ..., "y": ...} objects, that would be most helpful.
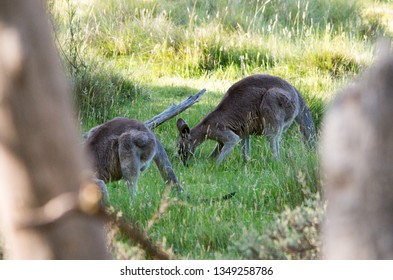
[{"x": 294, "y": 236}]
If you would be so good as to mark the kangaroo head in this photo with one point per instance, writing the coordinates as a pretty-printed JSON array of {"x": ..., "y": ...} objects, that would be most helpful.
[{"x": 185, "y": 144}]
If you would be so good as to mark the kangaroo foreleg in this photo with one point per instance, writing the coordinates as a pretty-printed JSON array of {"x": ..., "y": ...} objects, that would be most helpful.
[
  {"x": 216, "y": 151},
  {"x": 306, "y": 124},
  {"x": 229, "y": 139},
  {"x": 165, "y": 167}
]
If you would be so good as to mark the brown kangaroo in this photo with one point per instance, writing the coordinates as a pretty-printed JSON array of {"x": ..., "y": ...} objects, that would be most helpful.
[
  {"x": 122, "y": 148},
  {"x": 255, "y": 105}
]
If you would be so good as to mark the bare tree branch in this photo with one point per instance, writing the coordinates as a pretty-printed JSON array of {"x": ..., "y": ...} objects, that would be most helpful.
[
  {"x": 174, "y": 110},
  {"x": 131, "y": 230}
]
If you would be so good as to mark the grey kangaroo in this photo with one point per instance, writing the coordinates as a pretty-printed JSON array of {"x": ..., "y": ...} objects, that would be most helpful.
[
  {"x": 256, "y": 105},
  {"x": 122, "y": 148}
]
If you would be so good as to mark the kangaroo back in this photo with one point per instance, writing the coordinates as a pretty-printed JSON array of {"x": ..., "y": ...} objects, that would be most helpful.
[
  {"x": 306, "y": 123},
  {"x": 122, "y": 148}
]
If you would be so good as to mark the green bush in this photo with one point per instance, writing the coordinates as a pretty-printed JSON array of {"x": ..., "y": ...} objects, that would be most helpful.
[{"x": 294, "y": 235}]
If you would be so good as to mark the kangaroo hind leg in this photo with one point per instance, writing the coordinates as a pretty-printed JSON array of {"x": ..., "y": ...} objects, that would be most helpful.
[
  {"x": 274, "y": 140},
  {"x": 136, "y": 150},
  {"x": 246, "y": 148},
  {"x": 164, "y": 166}
]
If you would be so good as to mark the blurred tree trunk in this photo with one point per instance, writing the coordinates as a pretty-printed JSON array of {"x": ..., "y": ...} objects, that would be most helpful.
[
  {"x": 41, "y": 162},
  {"x": 357, "y": 158}
]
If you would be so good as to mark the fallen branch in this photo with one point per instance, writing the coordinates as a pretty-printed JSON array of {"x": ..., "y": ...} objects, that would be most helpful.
[{"x": 174, "y": 110}]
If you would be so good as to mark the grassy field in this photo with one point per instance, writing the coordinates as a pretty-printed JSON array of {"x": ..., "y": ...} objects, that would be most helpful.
[{"x": 135, "y": 58}]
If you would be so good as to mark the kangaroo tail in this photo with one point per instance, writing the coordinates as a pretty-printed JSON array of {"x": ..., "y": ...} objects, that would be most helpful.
[{"x": 306, "y": 123}]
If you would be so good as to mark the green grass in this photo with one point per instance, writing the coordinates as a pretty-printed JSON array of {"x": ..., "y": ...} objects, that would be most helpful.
[{"x": 136, "y": 58}]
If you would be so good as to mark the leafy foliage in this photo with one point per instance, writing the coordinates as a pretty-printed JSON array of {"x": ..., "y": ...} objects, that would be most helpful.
[{"x": 294, "y": 235}]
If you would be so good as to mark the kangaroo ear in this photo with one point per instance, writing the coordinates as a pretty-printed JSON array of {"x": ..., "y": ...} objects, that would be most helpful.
[{"x": 183, "y": 128}]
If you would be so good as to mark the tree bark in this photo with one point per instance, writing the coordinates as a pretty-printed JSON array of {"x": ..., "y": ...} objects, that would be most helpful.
[
  {"x": 357, "y": 160},
  {"x": 41, "y": 163}
]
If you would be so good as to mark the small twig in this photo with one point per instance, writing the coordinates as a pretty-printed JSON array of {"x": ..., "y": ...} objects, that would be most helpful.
[{"x": 130, "y": 229}]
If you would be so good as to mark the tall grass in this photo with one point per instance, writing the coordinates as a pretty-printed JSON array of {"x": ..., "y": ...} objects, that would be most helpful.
[
  {"x": 135, "y": 58},
  {"x": 196, "y": 39}
]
